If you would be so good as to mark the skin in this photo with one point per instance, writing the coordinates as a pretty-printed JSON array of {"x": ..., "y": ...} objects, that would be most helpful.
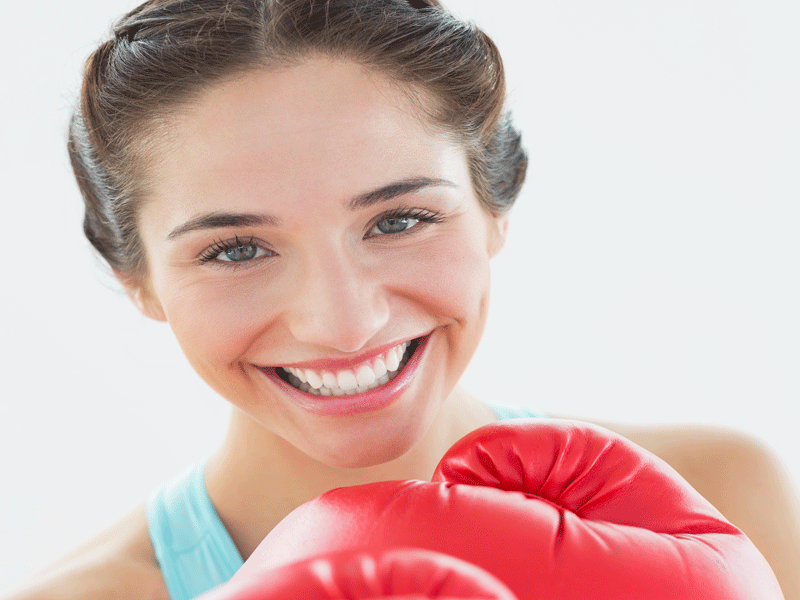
[{"x": 299, "y": 145}]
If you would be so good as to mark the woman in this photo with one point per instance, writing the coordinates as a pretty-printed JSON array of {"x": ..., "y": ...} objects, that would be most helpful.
[{"x": 309, "y": 193}]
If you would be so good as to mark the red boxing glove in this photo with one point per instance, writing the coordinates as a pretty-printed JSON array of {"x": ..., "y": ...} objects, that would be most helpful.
[
  {"x": 557, "y": 510},
  {"x": 400, "y": 574}
]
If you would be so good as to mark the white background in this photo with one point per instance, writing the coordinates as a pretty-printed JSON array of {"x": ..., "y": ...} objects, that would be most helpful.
[{"x": 652, "y": 274}]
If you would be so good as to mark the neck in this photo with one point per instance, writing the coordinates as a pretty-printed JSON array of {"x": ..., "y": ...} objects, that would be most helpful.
[{"x": 256, "y": 477}]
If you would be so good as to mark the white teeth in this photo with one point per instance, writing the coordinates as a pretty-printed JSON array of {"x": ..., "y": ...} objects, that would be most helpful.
[
  {"x": 392, "y": 360},
  {"x": 348, "y": 381},
  {"x": 329, "y": 380},
  {"x": 379, "y": 367},
  {"x": 314, "y": 380},
  {"x": 365, "y": 375}
]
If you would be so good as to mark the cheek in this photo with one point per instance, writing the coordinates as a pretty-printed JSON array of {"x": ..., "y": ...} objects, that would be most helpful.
[
  {"x": 450, "y": 278},
  {"x": 215, "y": 322}
]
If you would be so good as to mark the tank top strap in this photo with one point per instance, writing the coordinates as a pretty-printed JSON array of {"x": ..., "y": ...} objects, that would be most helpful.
[
  {"x": 503, "y": 412},
  {"x": 194, "y": 550}
]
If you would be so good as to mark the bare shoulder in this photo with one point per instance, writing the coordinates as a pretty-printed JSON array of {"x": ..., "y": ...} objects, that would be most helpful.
[
  {"x": 684, "y": 447},
  {"x": 119, "y": 563}
]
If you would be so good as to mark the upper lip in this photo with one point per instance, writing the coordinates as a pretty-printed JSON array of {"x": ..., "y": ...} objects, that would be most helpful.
[{"x": 337, "y": 364}]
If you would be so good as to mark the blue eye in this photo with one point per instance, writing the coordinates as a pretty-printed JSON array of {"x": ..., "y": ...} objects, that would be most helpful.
[
  {"x": 402, "y": 220},
  {"x": 234, "y": 251},
  {"x": 395, "y": 224},
  {"x": 238, "y": 253}
]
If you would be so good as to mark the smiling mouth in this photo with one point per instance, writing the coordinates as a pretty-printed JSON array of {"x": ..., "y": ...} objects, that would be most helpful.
[{"x": 349, "y": 382}]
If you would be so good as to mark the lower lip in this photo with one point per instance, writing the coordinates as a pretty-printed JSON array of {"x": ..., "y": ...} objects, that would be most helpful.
[{"x": 343, "y": 406}]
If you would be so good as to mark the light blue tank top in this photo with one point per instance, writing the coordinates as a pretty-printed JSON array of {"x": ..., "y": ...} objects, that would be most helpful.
[{"x": 194, "y": 550}]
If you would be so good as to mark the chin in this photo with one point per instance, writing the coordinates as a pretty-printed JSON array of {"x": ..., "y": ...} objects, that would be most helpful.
[
  {"x": 369, "y": 451},
  {"x": 357, "y": 445},
  {"x": 370, "y": 458}
]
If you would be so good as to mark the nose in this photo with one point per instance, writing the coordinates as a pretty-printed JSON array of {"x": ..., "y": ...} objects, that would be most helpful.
[{"x": 339, "y": 304}]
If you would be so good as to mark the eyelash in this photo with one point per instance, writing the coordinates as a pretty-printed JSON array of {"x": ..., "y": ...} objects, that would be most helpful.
[
  {"x": 211, "y": 253},
  {"x": 418, "y": 214},
  {"x": 421, "y": 215}
]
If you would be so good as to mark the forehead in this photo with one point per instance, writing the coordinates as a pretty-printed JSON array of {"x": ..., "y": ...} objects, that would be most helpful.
[{"x": 311, "y": 122}]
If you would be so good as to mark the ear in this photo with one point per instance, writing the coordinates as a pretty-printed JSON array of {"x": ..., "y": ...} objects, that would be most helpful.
[
  {"x": 141, "y": 296},
  {"x": 498, "y": 232}
]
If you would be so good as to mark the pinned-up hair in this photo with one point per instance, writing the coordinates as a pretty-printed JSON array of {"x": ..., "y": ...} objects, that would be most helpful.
[{"x": 165, "y": 53}]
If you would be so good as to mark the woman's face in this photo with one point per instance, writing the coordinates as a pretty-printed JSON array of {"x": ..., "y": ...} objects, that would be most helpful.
[{"x": 307, "y": 230}]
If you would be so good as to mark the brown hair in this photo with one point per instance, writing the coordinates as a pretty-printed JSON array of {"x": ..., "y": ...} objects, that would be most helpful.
[{"x": 166, "y": 52}]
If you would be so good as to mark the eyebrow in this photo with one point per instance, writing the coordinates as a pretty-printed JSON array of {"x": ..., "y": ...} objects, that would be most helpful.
[
  {"x": 396, "y": 189},
  {"x": 218, "y": 220}
]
